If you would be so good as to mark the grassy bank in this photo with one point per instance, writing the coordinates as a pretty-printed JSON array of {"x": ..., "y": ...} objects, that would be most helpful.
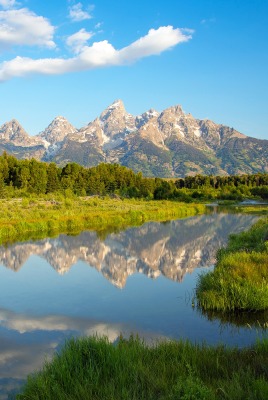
[
  {"x": 239, "y": 281},
  {"x": 255, "y": 209},
  {"x": 94, "y": 369},
  {"x": 39, "y": 217}
]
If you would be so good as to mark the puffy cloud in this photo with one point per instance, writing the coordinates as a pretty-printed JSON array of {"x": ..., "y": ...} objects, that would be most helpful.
[
  {"x": 22, "y": 66},
  {"x": 77, "y": 14},
  {"x": 78, "y": 40},
  {"x": 100, "y": 54},
  {"x": 7, "y": 3},
  {"x": 156, "y": 41},
  {"x": 23, "y": 27}
]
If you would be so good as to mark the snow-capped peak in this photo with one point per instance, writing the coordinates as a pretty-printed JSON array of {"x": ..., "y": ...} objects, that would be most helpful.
[
  {"x": 57, "y": 130},
  {"x": 152, "y": 113},
  {"x": 145, "y": 117},
  {"x": 59, "y": 119},
  {"x": 116, "y": 104},
  {"x": 116, "y": 108},
  {"x": 13, "y": 130}
]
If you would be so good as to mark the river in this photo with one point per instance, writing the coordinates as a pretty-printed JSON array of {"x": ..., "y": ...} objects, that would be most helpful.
[{"x": 140, "y": 280}]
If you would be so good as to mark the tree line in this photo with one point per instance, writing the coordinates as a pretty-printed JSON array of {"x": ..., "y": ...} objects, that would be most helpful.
[{"x": 26, "y": 177}]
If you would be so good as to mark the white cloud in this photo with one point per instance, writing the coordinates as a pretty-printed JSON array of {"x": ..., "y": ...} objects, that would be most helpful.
[
  {"x": 23, "y": 27},
  {"x": 156, "y": 41},
  {"x": 78, "y": 40},
  {"x": 77, "y": 14},
  {"x": 100, "y": 54},
  {"x": 7, "y": 3},
  {"x": 23, "y": 66}
]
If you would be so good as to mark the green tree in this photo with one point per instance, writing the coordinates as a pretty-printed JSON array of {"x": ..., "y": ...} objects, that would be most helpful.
[
  {"x": 2, "y": 186},
  {"x": 53, "y": 182},
  {"x": 38, "y": 177}
]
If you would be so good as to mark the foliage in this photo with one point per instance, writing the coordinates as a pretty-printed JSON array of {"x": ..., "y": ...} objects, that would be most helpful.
[
  {"x": 232, "y": 187},
  {"x": 24, "y": 177},
  {"x": 92, "y": 368}
]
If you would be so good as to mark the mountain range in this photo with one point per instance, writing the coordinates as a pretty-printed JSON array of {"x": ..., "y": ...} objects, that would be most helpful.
[{"x": 167, "y": 144}]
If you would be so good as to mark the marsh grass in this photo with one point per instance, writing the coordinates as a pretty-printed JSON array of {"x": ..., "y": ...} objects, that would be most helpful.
[
  {"x": 255, "y": 209},
  {"x": 94, "y": 369},
  {"x": 240, "y": 278},
  {"x": 40, "y": 217}
]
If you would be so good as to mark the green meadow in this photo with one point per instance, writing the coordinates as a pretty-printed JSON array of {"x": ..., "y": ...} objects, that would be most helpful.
[{"x": 21, "y": 219}]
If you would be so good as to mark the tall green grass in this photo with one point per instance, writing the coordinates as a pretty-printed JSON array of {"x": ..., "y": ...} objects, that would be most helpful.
[
  {"x": 94, "y": 369},
  {"x": 240, "y": 278},
  {"x": 39, "y": 217}
]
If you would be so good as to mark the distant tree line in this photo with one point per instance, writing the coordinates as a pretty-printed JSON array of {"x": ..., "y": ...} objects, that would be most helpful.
[
  {"x": 26, "y": 177},
  {"x": 199, "y": 181},
  {"x": 231, "y": 186}
]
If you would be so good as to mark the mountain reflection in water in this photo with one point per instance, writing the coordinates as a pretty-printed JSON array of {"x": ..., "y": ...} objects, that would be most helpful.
[
  {"x": 39, "y": 308},
  {"x": 170, "y": 249}
]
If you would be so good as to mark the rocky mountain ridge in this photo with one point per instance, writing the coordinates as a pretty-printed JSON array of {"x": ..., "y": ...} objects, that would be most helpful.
[{"x": 167, "y": 144}]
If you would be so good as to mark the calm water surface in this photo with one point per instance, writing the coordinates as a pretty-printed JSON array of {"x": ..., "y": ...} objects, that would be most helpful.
[{"x": 140, "y": 280}]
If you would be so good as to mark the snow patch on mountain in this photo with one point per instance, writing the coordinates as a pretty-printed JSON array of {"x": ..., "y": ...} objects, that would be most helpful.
[
  {"x": 197, "y": 132},
  {"x": 170, "y": 143},
  {"x": 105, "y": 138}
]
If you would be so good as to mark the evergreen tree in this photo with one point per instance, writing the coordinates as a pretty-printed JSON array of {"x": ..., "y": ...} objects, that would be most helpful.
[
  {"x": 38, "y": 177},
  {"x": 53, "y": 182},
  {"x": 2, "y": 186}
]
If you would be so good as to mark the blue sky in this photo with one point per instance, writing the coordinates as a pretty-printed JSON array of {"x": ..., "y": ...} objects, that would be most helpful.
[{"x": 74, "y": 58}]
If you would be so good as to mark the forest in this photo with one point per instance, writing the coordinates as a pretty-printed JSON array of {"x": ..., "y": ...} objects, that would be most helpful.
[{"x": 24, "y": 178}]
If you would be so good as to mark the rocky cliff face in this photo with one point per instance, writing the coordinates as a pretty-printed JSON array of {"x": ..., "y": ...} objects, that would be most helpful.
[
  {"x": 14, "y": 140},
  {"x": 53, "y": 136},
  {"x": 13, "y": 131},
  {"x": 167, "y": 144},
  {"x": 57, "y": 131}
]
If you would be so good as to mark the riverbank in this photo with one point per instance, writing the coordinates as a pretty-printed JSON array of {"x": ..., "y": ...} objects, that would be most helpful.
[
  {"x": 239, "y": 281},
  {"x": 22, "y": 219},
  {"x": 92, "y": 368}
]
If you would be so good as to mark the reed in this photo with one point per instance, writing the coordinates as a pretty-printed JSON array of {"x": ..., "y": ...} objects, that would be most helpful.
[
  {"x": 93, "y": 369},
  {"x": 239, "y": 281}
]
